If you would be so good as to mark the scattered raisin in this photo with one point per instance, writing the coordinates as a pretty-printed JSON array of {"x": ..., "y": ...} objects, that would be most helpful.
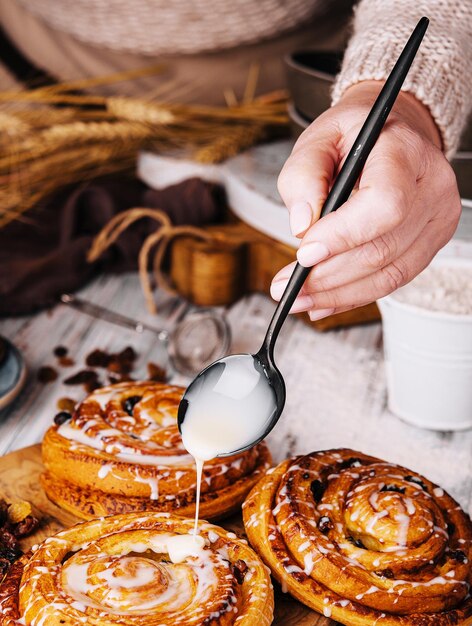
[
  {"x": 97, "y": 358},
  {"x": 67, "y": 556},
  {"x": 66, "y": 404},
  {"x": 385, "y": 573},
  {"x": 47, "y": 374},
  {"x": 416, "y": 481},
  {"x": 353, "y": 462},
  {"x": 66, "y": 361},
  {"x": 79, "y": 378},
  {"x": 18, "y": 511},
  {"x": 60, "y": 351},
  {"x": 62, "y": 417},
  {"x": 130, "y": 403},
  {"x": 128, "y": 354},
  {"x": 458, "y": 555},
  {"x": 25, "y": 527},
  {"x": 11, "y": 554},
  {"x": 122, "y": 362},
  {"x": 325, "y": 524},
  {"x": 16, "y": 522},
  {"x": 117, "y": 366},
  {"x": 306, "y": 476},
  {"x": 91, "y": 385},
  {"x": 317, "y": 489},
  {"x": 156, "y": 373},
  {"x": 7, "y": 557},
  {"x": 451, "y": 529},
  {"x": 357, "y": 542},
  {"x": 239, "y": 569},
  {"x": 8, "y": 540},
  {"x": 393, "y": 488}
]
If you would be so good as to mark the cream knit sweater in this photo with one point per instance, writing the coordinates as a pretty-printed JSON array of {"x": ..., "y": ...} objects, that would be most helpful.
[{"x": 440, "y": 76}]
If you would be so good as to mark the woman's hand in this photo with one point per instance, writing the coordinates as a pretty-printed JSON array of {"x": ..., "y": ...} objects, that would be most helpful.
[{"x": 404, "y": 210}]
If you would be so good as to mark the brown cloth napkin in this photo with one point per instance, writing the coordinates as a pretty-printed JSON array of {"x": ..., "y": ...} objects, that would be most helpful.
[{"x": 44, "y": 256}]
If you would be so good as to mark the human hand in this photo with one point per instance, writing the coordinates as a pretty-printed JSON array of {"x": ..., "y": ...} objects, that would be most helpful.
[{"x": 406, "y": 206}]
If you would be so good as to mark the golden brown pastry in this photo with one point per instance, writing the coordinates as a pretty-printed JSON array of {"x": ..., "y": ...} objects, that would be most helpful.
[
  {"x": 122, "y": 451},
  {"x": 123, "y": 571},
  {"x": 363, "y": 541}
]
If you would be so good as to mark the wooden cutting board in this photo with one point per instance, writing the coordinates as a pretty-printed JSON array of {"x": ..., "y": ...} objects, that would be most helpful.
[{"x": 19, "y": 480}]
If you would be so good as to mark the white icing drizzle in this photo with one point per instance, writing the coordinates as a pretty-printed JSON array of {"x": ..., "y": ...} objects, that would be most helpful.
[
  {"x": 410, "y": 506},
  {"x": 374, "y": 519},
  {"x": 105, "y": 470},
  {"x": 153, "y": 483},
  {"x": 127, "y": 454},
  {"x": 199, "y": 468},
  {"x": 309, "y": 564},
  {"x": 180, "y": 547},
  {"x": 129, "y": 583}
]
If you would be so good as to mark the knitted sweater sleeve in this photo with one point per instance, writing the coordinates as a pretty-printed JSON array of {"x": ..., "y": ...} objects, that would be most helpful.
[{"x": 441, "y": 73}]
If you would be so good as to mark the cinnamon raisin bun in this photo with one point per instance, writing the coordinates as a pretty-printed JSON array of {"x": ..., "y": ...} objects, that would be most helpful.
[
  {"x": 129, "y": 570},
  {"x": 363, "y": 541},
  {"x": 121, "y": 451}
]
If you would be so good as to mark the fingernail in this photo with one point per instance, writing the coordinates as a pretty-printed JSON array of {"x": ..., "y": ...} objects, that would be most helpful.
[
  {"x": 319, "y": 314},
  {"x": 300, "y": 217},
  {"x": 302, "y": 303},
  {"x": 312, "y": 253},
  {"x": 277, "y": 288}
]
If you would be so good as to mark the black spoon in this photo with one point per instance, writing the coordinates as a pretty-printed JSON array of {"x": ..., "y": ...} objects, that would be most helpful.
[{"x": 223, "y": 378}]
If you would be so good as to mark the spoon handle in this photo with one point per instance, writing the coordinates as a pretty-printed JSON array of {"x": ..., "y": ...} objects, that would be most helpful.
[{"x": 350, "y": 171}]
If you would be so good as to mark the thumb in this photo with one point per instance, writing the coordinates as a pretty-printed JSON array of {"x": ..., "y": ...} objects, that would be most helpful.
[{"x": 306, "y": 177}]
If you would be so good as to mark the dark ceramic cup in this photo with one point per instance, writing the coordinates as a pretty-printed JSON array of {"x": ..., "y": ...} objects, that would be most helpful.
[{"x": 310, "y": 76}]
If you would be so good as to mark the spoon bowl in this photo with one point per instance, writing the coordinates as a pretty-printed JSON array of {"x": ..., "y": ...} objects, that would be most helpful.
[{"x": 247, "y": 389}]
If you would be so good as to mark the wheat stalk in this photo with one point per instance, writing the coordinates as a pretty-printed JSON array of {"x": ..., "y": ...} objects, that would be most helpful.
[{"x": 45, "y": 146}]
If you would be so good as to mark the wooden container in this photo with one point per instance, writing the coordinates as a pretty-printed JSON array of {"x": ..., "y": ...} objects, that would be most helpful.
[{"x": 240, "y": 260}]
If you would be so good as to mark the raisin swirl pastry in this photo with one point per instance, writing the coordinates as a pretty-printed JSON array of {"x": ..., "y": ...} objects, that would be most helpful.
[
  {"x": 121, "y": 451},
  {"x": 122, "y": 571},
  {"x": 363, "y": 541}
]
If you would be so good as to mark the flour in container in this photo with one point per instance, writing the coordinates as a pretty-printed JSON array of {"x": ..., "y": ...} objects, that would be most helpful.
[{"x": 443, "y": 288}]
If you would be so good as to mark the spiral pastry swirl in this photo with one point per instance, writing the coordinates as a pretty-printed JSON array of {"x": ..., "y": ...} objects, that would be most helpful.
[
  {"x": 121, "y": 570},
  {"x": 363, "y": 541},
  {"x": 122, "y": 451}
]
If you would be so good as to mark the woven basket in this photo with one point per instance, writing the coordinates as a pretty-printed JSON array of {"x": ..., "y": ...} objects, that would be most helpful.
[{"x": 163, "y": 27}]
